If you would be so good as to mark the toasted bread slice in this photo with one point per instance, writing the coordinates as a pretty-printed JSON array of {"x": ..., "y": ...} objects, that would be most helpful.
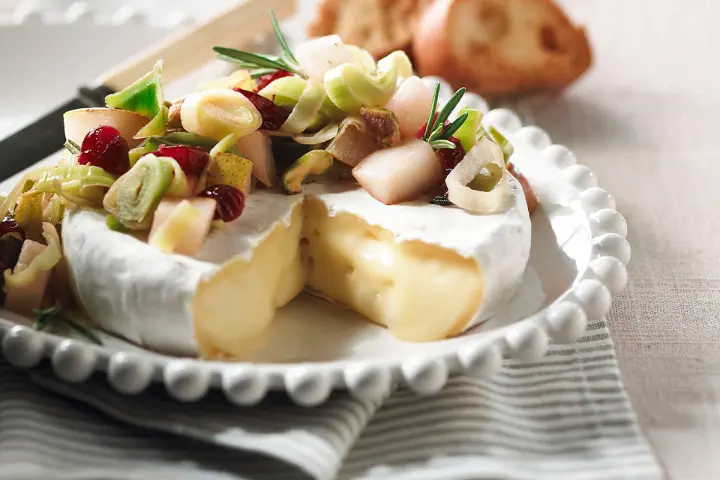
[
  {"x": 379, "y": 26},
  {"x": 500, "y": 48}
]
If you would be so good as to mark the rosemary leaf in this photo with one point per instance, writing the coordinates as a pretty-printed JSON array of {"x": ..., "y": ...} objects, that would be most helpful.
[
  {"x": 438, "y": 144},
  {"x": 72, "y": 147},
  {"x": 450, "y": 106},
  {"x": 453, "y": 127},
  {"x": 435, "y": 135},
  {"x": 253, "y": 60},
  {"x": 281, "y": 39},
  {"x": 82, "y": 330},
  {"x": 433, "y": 107},
  {"x": 44, "y": 317}
]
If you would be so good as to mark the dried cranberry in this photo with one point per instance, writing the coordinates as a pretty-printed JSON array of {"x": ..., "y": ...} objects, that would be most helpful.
[
  {"x": 230, "y": 201},
  {"x": 10, "y": 225},
  {"x": 450, "y": 157},
  {"x": 192, "y": 160},
  {"x": 266, "y": 80},
  {"x": 421, "y": 132},
  {"x": 273, "y": 116},
  {"x": 104, "y": 147}
]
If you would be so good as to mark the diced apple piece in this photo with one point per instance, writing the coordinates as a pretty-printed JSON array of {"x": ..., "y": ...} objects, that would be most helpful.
[
  {"x": 353, "y": 142},
  {"x": 80, "y": 121},
  {"x": 411, "y": 104},
  {"x": 399, "y": 174},
  {"x": 181, "y": 226},
  {"x": 318, "y": 55},
  {"x": 25, "y": 299},
  {"x": 257, "y": 148}
]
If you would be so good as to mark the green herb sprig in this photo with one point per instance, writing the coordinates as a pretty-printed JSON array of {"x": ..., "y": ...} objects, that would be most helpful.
[
  {"x": 260, "y": 64},
  {"x": 48, "y": 317},
  {"x": 436, "y": 134},
  {"x": 72, "y": 147}
]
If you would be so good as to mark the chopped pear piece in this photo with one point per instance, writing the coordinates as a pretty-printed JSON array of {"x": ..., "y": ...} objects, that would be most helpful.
[
  {"x": 353, "y": 142},
  {"x": 411, "y": 104},
  {"x": 80, "y": 121},
  {"x": 400, "y": 174},
  {"x": 181, "y": 226},
  {"x": 257, "y": 148},
  {"x": 315, "y": 162},
  {"x": 229, "y": 169},
  {"x": 237, "y": 79}
]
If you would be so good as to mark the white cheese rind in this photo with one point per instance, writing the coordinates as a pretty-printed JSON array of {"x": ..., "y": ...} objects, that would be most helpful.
[{"x": 136, "y": 291}]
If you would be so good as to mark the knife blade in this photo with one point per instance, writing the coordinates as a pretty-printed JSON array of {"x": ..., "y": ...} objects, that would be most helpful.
[
  {"x": 46, "y": 135},
  {"x": 237, "y": 25}
]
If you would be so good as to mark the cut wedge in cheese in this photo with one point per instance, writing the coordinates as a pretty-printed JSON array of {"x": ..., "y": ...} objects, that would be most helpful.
[{"x": 424, "y": 271}]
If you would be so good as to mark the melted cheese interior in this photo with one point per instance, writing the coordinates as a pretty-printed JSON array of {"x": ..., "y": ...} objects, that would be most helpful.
[{"x": 421, "y": 292}]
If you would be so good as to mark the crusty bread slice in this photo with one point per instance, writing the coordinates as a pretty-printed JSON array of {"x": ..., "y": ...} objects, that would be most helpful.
[
  {"x": 379, "y": 26},
  {"x": 500, "y": 47}
]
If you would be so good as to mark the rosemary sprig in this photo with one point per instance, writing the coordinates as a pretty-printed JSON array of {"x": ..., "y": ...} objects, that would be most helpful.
[
  {"x": 258, "y": 63},
  {"x": 436, "y": 134},
  {"x": 72, "y": 147},
  {"x": 48, "y": 317}
]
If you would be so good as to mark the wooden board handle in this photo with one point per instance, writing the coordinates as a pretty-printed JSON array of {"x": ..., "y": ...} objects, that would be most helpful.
[{"x": 190, "y": 49}]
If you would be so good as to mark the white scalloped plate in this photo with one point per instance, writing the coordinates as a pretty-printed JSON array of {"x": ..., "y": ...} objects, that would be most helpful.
[{"x": 577, "y": 263}]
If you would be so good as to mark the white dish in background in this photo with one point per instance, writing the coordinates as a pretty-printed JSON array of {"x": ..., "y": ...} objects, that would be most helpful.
[{"x": 577, "y": 263}]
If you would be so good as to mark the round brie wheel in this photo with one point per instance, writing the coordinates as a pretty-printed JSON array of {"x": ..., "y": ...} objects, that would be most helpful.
[{"x": 424, "y": 271}]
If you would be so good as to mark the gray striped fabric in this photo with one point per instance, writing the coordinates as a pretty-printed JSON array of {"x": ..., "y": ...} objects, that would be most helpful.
[{"x": 564, "y": 417}]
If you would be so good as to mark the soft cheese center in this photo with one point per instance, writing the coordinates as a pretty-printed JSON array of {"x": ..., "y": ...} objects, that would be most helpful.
[{"x": 421, "y": 292}]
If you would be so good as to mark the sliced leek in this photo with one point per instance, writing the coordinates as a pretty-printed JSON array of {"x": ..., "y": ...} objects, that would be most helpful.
[
  {"x": 43, "y": 262},
  {"x": 307, "y": 108}
]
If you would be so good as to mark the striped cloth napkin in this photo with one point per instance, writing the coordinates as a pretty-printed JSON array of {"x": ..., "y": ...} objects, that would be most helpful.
[{"x": 564, "y": 417}]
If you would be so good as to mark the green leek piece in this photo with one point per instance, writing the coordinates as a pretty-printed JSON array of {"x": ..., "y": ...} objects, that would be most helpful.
[
  {"x": 134, "y": 196},
  {"x": 80, "y": 185},
  {"x": 188, "y": 139},
  {"x": 148, "y": 146},
  {"x": 306, "y": 110},
  {"x": 503, "y": 142},
  {"x": 315, "y": 162},
  {"x": 224, "y": 145},
  {"x": 156, "y": 126},
  {"x": 114, "y": 224},
  {"x": 350, "y": 87},
  {"x": 28, "y": 212},
  {"x": 144, "y": 96},
  {"x": 486, "y": 183},
  {"x": 285, "y": 92},
  {"x": 467, "y": 133},
  {"x": 179, "y": 186}
]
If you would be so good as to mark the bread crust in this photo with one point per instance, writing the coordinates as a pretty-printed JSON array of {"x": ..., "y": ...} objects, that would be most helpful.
[
  {"x": 379, "y": 26},
  {"x": 500, "y": 47}
]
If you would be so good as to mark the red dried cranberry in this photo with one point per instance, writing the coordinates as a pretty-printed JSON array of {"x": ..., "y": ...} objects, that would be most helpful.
[
  {"x": 104, "y": 147},
  {"x": 421, "y": 132},
  {"x": 266, "y": 80},
  {"x": 192, "y": 160},
  {"x": 449, "y": 158},
  {"x": 230, "y": 201},
  {"x": 10, "y": 225},
  {"x": 272, "y": 116}
]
